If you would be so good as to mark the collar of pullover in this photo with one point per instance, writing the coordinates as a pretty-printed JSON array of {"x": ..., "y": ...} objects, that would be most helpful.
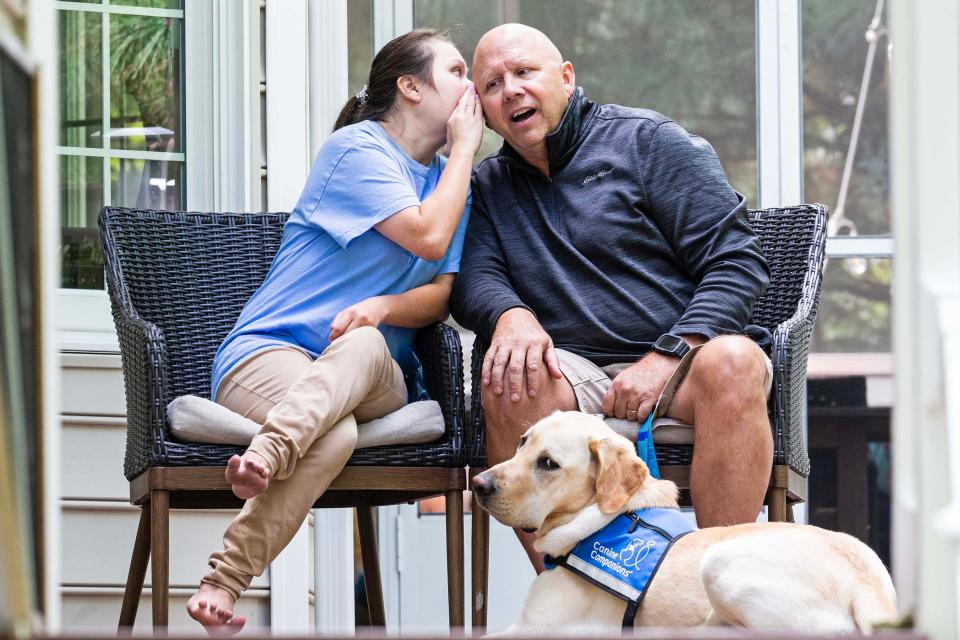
[{"x": 562, "y": 142}]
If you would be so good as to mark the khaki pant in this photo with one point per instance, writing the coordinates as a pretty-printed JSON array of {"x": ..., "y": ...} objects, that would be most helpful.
[
  {"x": 309, "y": 410},
  {"x": 590, "y": 382}
]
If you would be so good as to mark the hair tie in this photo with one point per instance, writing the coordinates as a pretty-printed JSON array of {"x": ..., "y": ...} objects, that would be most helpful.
[{"x": 361, "y": 96}]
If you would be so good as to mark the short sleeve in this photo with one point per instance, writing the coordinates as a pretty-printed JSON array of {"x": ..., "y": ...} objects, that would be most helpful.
[
  {"x": 451, "y": 261},
  {"x": 366, "y": 185}
]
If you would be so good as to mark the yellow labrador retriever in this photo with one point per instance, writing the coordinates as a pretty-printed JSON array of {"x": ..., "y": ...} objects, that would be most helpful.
[{"x": 572, "y": 475}]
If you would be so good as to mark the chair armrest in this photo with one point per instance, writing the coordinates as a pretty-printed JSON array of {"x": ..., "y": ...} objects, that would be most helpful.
[
  {"x": 143, "y": 352},
  {"x": 438, "y": 347},
  {"x": 791, "y": 347},
  {"x": 788, "y": 398},
  {"x": 476, "y": 427}
]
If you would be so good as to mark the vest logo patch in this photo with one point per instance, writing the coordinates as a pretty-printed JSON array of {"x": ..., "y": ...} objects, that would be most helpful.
[
  {"x": 599, "y": 174},
  {"x": 635, "y": 552},
  {"x": 627, "y": 560}
]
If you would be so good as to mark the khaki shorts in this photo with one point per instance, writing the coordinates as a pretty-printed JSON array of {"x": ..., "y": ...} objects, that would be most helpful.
[{"x": 590, "y": 382}]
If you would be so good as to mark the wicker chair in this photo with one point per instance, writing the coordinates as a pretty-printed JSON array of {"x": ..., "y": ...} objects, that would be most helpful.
[
  {"x": 793, "y": 241},
  {"x": 177, "y": 282}
]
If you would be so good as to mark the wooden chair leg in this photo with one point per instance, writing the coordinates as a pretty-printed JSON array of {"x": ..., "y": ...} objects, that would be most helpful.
[
  {"x": 455, "y": 557},
  {"x": 479, "y": 566},
  {"x": 160, "y": 554},
  {"x": 777, "y": 505},
  {"x": 138, "y": 570},
  {"x": 371, "y": 565}
]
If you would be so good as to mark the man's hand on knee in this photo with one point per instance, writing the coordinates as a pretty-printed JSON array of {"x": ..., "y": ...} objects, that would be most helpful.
[
  {"x": 634, "y": 392},
  {"x": 518, "y": 350}
]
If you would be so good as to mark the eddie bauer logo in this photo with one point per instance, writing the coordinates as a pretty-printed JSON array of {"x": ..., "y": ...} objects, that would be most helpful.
[
  {"x": 597, "y": 175},
  {"x": 624, "y": 562}
]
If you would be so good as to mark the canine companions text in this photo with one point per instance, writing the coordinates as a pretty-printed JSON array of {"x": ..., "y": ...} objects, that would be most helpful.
[{"x": 572, "y": 475}]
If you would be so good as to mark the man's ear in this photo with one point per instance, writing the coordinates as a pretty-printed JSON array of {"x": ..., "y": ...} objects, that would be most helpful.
[
  {"x": 409, "y": 87},
  {"x": 569, "y": 77},
  {"x": 620, "y": 474}
]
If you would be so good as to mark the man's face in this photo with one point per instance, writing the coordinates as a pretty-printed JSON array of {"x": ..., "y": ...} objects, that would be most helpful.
[{"x": 524, "y": 88}]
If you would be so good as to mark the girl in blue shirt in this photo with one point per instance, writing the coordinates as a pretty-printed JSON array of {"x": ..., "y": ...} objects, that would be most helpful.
[{"x": 367, "y": 257}]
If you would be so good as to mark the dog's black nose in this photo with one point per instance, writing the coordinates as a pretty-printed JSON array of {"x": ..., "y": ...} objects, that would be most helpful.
[{"x": 484, "y": 486}]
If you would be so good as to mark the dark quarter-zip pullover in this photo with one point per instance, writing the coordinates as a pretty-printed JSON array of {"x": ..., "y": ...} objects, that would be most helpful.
[{"x": 636, "y": 232}]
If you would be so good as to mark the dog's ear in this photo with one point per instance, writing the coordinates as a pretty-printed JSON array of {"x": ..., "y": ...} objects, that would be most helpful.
[{"x": 620, "y": 473}]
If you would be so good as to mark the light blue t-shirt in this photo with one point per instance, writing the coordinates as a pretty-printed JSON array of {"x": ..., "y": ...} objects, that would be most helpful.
[{"x": 331, "y": 256}]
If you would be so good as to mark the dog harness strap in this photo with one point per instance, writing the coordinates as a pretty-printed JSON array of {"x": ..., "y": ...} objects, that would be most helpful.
[
  {"x": 623, "y": 557},
  {"x": 629, "y": 615}
]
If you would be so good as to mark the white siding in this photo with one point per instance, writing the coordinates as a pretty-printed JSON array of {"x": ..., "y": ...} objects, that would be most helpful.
[{"x": 99, "y": 524}]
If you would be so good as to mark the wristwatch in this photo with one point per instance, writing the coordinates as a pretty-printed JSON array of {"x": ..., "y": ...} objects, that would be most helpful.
[{"x": 671, "y": 345}]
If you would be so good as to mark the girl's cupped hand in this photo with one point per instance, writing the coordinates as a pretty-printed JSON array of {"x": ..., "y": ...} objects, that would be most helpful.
[{"x": 367, "y": 313}]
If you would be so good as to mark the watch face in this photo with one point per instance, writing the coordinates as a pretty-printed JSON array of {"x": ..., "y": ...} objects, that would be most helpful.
[{"x": 669, "y": 342}]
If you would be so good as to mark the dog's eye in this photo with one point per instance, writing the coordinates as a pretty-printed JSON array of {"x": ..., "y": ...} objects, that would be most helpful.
[{"x": 547, "y": 463}]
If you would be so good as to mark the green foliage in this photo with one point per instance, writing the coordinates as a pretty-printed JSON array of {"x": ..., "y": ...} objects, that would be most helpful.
[{"x": 145, "y": 75}]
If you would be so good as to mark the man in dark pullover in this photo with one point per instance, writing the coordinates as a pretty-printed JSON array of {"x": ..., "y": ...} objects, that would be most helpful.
[{"x": 604, "y": 247}]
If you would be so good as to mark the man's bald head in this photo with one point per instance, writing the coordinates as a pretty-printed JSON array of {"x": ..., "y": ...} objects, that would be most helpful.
[
  {"x": 524, "y": 87},
  {"x": 519, "y": 36}
]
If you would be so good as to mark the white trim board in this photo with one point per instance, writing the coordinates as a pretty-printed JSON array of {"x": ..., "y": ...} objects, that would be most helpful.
[{"x": 779, "y": 110}]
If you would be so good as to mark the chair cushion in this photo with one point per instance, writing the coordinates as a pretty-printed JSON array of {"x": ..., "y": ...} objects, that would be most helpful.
[
  {"x": 665, "y": 430},
  {"x": 196, "y": 419}
]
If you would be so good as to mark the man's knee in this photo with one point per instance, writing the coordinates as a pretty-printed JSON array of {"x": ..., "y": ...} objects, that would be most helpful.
[
  {"x": 729, "y": 364},
  {"x": 507, "y": 420},
  {"x": 553, "y": 395}
]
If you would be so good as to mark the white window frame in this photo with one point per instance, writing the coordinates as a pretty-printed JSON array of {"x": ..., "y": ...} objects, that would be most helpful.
[
  {"x": 780, "y": 122},
  {"x": 84, "y": 321},
  {"x": 221, "y": 151},
  {"x": 779, "y": 113}
]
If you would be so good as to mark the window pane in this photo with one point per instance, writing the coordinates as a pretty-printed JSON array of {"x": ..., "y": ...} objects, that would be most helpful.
[
  {"x": 693, "y": 61},
  {"x": 156, "y": 4},
  {"x": 359, "y": 43},
  {"x": 145, "y": 79},
  {"x": 81, "y": 79},
  {"x": 834, "y": 53},
  {"x": 854, "y": 311},
  {"x": 81, "y": 197},
  {"x": 147, "y": 184}
]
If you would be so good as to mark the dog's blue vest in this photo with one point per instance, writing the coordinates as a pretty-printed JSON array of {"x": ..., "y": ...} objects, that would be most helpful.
[{"x": 623, "y": 557}]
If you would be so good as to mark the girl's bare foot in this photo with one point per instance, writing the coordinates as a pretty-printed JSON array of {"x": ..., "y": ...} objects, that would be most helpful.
[
  {"x": 212, "y": 607},
  {"x": 248, "y": 475}
]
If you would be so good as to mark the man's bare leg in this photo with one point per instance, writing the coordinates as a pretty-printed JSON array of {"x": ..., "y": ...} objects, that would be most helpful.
[
  {"x": 507, "y": 420},
  {"x": 212, "y": 607},
  {"x": 248, "y": 475},
  {"x": 723, "y": 397}
]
